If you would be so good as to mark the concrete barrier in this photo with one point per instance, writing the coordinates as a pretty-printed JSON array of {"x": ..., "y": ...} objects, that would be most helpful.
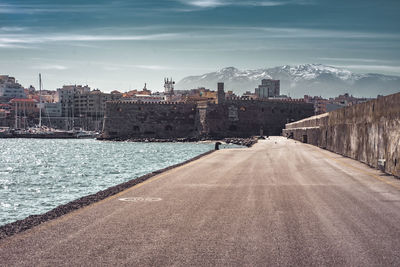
[{"x": 368, "y": 132}]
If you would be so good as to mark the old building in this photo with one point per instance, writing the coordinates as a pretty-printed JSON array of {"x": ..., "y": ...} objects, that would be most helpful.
[
  {"x": 268, "y": 88},
  {"x": 228, "y": 118},
  {"x": 200, "y": 94},
  {"x": 220, "y": 93},
  {"x": 25, "y": 106}
]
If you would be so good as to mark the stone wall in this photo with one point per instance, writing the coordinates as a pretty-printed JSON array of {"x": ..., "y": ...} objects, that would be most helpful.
[
  {"x": 368, "y": 132},
  {"x": 231, "y": 118},
  {"x": 153, "y": 120},
  {"x": 244, "y": 118}
]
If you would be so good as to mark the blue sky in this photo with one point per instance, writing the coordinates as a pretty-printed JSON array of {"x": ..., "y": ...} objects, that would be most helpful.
[{"x": 122, "y": 44}]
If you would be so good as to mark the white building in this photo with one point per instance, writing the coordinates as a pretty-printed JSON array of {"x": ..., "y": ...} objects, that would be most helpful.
[
  {"x": 92, "y": 103},
  {"x": 66, "y": 95},
  {"x": 10, "y": 89}
]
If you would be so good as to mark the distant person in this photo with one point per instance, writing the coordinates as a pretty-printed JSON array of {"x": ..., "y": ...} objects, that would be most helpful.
[{"x": 217, "y": 144}]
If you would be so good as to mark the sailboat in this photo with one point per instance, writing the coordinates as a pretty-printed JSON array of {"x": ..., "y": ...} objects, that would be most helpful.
[{"x": 41, "y": 131}]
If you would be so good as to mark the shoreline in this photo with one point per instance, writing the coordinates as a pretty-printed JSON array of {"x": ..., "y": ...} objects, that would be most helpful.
[
  {"x": 31, "y": 221},
  {"x": 248, "y": 142}
]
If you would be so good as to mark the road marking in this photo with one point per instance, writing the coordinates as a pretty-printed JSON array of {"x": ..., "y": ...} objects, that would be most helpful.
[{"x": 395, "y": 185}]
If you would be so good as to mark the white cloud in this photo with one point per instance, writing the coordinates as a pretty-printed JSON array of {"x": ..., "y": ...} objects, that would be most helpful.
[
  {"x": 111, "y": 68},
  {"x": 12, "y": 29},
  {"x": 206, "y": 3},
  {"x": 49, "y": 67},
  {"x": 30, "y": 9},
  {"x": 162, "y": 36},
  {"x": 199, "y": 34},
  {"x": 14, "y": 39},
  {"x": 349, "y": 59},
  {"x": 219, "y": 3},
  {"x": 11, "y": 9},
  {"x": 13, "y": 46},
  {"x": 153, "y": 67},
  {"x": 386, "y": 68}
]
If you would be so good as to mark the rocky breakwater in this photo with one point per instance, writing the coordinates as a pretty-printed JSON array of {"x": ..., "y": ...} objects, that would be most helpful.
[
  {"x": 248, "y": 142},
  {"x": 241, "y": 141}
]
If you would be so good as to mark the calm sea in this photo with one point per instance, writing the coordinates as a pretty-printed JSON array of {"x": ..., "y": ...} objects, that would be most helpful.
[{"x": 37, "y": 175}]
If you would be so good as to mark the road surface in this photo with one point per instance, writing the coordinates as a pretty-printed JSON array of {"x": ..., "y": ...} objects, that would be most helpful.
[{"x": 278, "y": 203}]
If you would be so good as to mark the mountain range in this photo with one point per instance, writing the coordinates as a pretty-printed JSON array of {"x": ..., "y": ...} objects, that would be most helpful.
[{"x": 297, "y": 81}]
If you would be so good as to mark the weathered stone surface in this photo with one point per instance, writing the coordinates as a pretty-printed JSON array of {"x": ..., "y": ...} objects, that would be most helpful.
[
  {"x": 153, "y": 120},
  {"x": 231, "y": 118},
  {"x": 238, "y": 118},
  {"x": 368, "y": 132}
]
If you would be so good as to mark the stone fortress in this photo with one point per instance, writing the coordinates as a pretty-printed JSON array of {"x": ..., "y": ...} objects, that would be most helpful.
[{"x": 226, "y": 117}]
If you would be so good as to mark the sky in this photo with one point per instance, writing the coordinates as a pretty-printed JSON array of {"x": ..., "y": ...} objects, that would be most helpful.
[{"x": 122, "y": 44}]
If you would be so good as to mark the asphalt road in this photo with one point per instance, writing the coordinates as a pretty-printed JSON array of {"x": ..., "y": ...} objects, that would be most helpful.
[{"x": 280, "y": 202}]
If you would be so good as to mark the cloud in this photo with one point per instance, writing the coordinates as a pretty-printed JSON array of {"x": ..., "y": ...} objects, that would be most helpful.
[
  {"x": 15, "y": 39},
  {"x": 13, "y": 46},
  {"x": 153, "y": 67},
  {"x": 344, "y": 59},
  {"x": 12, "y": 29},
  {"x": 199, "y": 36},
  {"x": 117, "y": 67},
  {"x": 386, "y": 68},
  {"x": 14, "y": 9},
  {"x": 31, "y": 9},
  {"x": 111, "y": 68},
  {"x": 49, "y": 67},
  {"x": 219, "y": 3},
  {"x": 205, "y": 3}
]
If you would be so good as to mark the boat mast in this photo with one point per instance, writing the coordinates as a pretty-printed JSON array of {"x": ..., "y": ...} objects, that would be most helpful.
[
  {"x": 16, "y": 115},
  {"x": 40, "y": 100}
]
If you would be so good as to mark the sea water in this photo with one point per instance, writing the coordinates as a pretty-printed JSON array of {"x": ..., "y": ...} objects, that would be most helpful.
[{"x": 37, "y": 175}]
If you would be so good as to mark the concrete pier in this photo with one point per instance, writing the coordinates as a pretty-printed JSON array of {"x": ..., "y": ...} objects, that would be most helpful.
[
  {"x": 368, "y": 132},
  {"x": 279, "y": 203}
]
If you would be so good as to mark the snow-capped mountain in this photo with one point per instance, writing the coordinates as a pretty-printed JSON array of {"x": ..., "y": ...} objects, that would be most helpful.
[{"x": 296, "y": 81}]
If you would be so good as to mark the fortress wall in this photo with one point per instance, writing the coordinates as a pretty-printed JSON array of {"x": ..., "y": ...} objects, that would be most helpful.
[
  {"x": 367, "y": 132},
  {"x": 233, "y": 118},
  {"x": 238, "y": 118},
  {"x": 157, "y": 120}
]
